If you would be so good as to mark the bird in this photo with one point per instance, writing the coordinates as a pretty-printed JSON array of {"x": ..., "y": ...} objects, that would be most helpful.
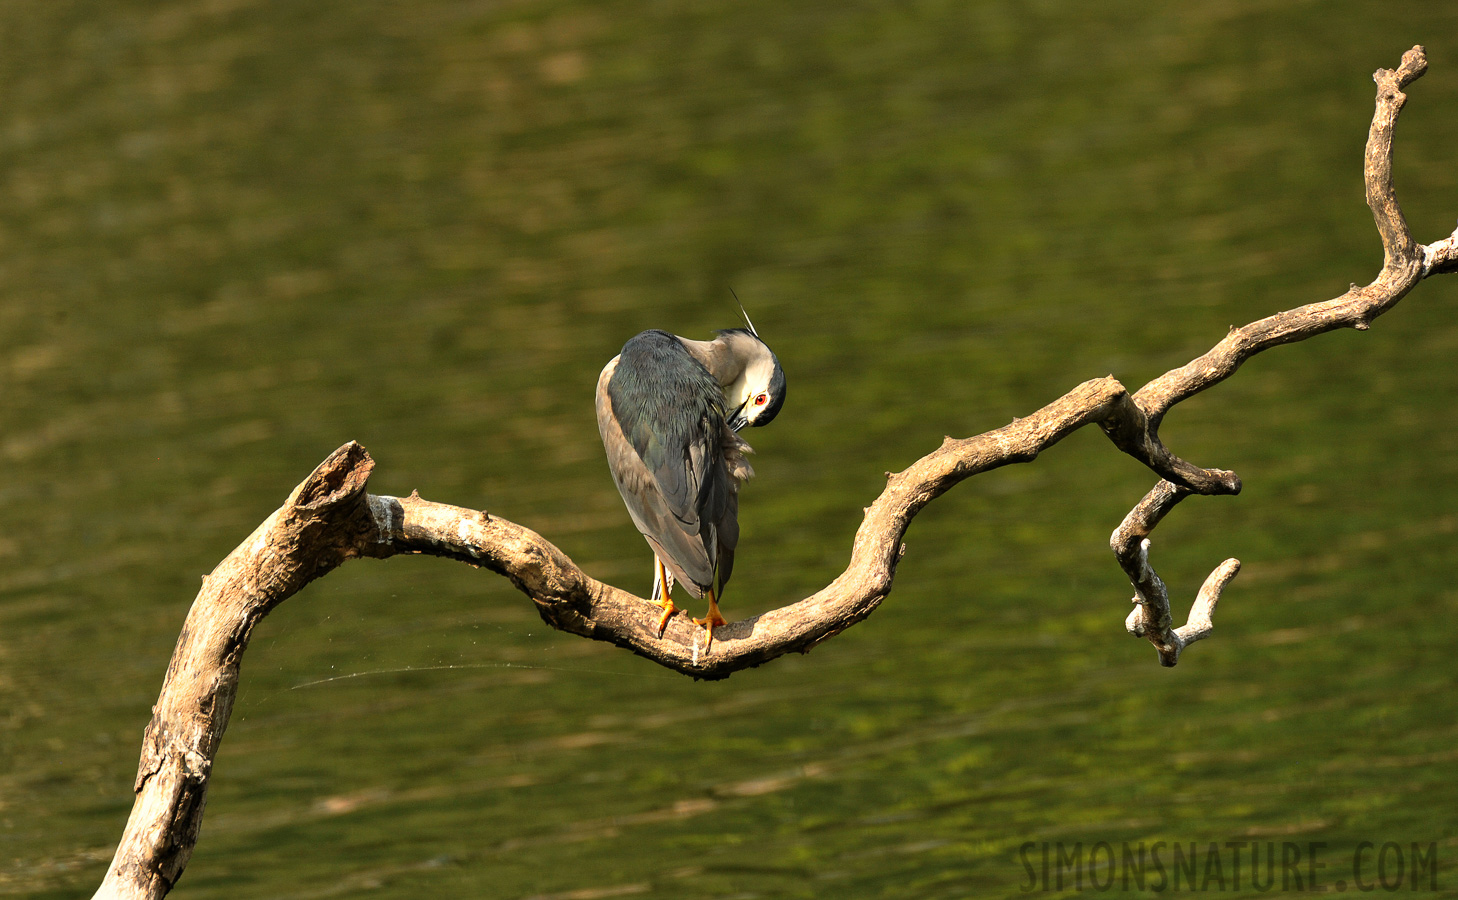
[{"x": 670, "y": 410}]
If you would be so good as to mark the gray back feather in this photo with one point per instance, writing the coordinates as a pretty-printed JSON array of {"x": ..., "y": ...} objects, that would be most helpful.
[{"x": 670, "y": 410}]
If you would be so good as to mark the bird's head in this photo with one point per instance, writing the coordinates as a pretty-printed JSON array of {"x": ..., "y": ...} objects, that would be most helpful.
[{"x": 756, "y": 395}]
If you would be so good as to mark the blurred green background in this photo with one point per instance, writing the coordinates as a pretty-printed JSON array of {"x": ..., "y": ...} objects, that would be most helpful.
[{"x": 235, "y": 234}]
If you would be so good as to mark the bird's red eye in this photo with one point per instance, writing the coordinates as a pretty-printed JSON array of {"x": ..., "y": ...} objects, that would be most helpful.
[{"x": 761, "y": 400}]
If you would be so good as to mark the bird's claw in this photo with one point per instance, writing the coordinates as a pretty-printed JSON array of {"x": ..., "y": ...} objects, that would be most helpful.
[
  {"x": 668, "y": 610},
  {"x": 710, "y": 622}
]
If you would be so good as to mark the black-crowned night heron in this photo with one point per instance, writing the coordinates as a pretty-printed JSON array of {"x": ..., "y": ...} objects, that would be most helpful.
[{"x": 670, "y": 410}]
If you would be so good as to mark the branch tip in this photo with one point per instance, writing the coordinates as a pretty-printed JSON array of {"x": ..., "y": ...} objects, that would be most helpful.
[
  {"x": 1414, "y": 64},
  {"x": 343, "y": 473}
]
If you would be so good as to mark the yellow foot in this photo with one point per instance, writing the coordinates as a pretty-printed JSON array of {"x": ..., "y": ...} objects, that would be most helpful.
[
  {"x": 710, "y": 622},
  {"x": 668, "y": 610},
  {"x": 662, "y": 593}
]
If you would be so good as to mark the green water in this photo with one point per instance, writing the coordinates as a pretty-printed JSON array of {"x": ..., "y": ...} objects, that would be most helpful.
[{"x": 235, "y": 234}]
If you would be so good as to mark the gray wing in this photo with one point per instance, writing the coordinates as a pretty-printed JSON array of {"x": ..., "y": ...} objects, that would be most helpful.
[{"x": 661, "y": 417}]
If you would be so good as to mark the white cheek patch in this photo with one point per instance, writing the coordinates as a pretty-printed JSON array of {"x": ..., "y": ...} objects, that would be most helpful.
[{"x": 756, "y": 378}]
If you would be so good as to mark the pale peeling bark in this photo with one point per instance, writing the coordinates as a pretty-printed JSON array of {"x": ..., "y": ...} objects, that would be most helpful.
[{"x": 330, "y": 518}]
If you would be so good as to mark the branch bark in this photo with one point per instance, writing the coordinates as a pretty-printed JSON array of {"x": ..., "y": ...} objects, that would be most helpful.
[{"x": 330, "y": 518}]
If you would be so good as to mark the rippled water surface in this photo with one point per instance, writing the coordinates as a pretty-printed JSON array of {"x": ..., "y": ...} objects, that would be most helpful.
[{"x": 235, "y": 234}]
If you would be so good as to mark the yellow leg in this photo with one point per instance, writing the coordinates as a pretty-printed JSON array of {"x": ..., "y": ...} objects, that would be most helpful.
[
  {"x": 710, "y": 621},
  {"x": 662, "y": 588}
]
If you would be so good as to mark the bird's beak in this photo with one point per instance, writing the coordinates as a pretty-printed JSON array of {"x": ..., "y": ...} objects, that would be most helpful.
[{"x": 737, "y": 419}]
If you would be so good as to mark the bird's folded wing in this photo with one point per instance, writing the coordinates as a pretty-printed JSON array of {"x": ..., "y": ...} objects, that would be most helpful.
[{"x": 662, "y": 428}]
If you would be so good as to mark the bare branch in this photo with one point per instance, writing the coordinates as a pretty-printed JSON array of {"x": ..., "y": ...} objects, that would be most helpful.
[
  {"x": 1405, "y": 263},
  {"x": 309, "y": 535},
  {"x": 329, "y": 518},
  {"x": 1402, "y": 269},
  {"x": 1151, "y": 616},
  {"x": 1441, "y": 257}
]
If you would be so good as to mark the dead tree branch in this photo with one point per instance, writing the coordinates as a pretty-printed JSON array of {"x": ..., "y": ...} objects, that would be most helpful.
[
  {"x": 330, "y": 518},
  {"x": 1151, "y": 616}
]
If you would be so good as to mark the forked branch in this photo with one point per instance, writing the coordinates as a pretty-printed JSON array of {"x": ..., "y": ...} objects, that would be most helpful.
[
  {"x": 1151, "y": 616},
  {"x": 330, "y": 518}
]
